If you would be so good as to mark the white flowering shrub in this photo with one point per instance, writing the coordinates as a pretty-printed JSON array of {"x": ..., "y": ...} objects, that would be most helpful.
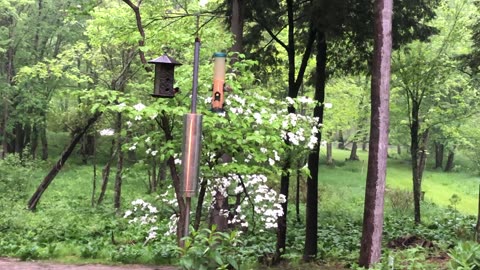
[
  {"x": 251, "y": 131},
  {"x": 259, "y": 205}
]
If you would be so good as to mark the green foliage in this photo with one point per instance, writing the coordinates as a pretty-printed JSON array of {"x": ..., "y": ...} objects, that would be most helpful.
[
  {"x": 16, "y": 174},
  {"x": 209, "y": 249},
  {"x": 465, "y": 256}
]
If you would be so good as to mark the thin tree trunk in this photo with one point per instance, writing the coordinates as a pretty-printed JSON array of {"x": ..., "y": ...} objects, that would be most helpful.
[
  {"x": 118, "y": 177},
  {"x": 27, "y": 128},
  {"x": 198, "y": 212},
  {"x": 423, "y": 153},
  {"x": 399, "y": 149},
  {"x": 282, "y": 220},
  {"x": 477, "y": 228},
  {"x": 10, "y": 74},
  {"x": 341, "y": 140},
  {"x": 94, "y": 180},
  {"x": 293, "y": 88},
  {"x": 19, "y": 138},
  {"x": 178, "y": 193},
  {"x": 364, "y": 144},
  {"x": 154, "y": 175},
  {"x": 34, "y": 141},
  {"x": 371, "y": 243},
  {"x": 106, "y": 173},
  {"x": 438, "y": 155},
  {"x": 32, "y": 203},
  {"x": 450, "y": 164},
  {"x": 4, "y": 128},
  {"x": 329, "y": 154},
  {"x": 353, "y": 152},
  {"x": 311, "y": 226},
  {"x": 217, "y": 217},
  {"x": 162, "y": 172},
  {"x": 297, "y": 198},
  {"x": 44, "y": 141},
  {"x": 414, "y": 149}
]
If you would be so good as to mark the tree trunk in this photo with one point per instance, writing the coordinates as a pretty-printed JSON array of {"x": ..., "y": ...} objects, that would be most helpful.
[
  {"x": 364, "y": 144},
  {"x": 297, "y": 198},
  {"x": 94, "y": 179},
  {"x": 217, "y": 217},
  {"x": 282, "y": 220},
  {"x": 353, "y": 152},
  {"x": 178, "y": 193},
  {"x": 32, "y": 203},
  {"x": 423, "y": 152},
  {"x": 19, "y": 138},
  {"x": 201, "y": 198},
  {"x": 329, "y": 154},
  {"x": 414, "y": 148},
  {"x": 237, "y": 23},
  {"x": 311, "y": 226},
  {"x": 371, "y": 243},
  {"x": 10, "y": 74},
  {"x": 118, "y": 177},
  {"x": 34, "y": 141},
  {"x": 44, "y": 141},
  {"x": 341, "y": 140},
  {"x": 399, "y": 149},
  {"x": 477, "y": 228},
  {"x": 438, "y": 155},
  {"x": 293, "y": 88},
  {"x": 450, "y": 164},
  {"x": 4, "y": 128},
  {"x": 27, "y": 128},
  {"x": 153, "y": 176},
  {"x": 106, "y": 173}
]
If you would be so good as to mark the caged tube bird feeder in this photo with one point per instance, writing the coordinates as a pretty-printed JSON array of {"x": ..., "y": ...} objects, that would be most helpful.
[{"x": 218, "y": 81}]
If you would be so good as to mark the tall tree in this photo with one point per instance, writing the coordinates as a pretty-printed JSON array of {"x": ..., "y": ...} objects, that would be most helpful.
[
  {"x": 377, "y": 156},
  {"x": 311, "y": 225},
  {"x": 431, "y": 85}
]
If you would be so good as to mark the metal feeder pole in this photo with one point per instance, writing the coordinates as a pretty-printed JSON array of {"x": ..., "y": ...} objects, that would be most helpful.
[{"x": 191, "y": 143}]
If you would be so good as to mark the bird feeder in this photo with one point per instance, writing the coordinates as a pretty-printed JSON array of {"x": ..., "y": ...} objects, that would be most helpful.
[
  {"x": 218, "y": 81},
  {"x": 164, "y": 76}
]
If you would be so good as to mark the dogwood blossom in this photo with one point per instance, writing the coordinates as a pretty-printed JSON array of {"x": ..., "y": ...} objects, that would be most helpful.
[{"x": 107, "y": 132}]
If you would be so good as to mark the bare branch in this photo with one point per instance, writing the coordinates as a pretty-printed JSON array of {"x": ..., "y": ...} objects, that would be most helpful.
[{"x": 273, "y": 35}]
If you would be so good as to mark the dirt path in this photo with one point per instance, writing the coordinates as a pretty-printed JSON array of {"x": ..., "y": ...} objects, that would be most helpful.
[{"x": 13, "y": 264}]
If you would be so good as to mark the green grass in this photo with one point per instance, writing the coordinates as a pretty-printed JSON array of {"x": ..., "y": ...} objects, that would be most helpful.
[{"x": 345, "y": 183}]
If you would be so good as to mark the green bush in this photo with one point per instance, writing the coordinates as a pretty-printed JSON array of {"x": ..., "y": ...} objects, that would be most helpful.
[
  {"x": 465, "y": 256},
  {"x": 208, "y": 249}
]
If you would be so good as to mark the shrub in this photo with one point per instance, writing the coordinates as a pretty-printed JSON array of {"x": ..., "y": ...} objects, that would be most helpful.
[{"x": 466, "y": 255}]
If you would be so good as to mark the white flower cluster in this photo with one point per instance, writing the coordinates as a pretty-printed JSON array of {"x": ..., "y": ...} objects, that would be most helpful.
[
  {"x": 143, "y": 213},
  {"x": 107, "y": 132},
  {"x": 298, "y": 135},
  {"x": 266, "y": 201}
]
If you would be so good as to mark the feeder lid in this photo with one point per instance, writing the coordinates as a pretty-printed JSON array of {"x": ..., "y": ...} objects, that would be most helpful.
[
  {"x": 165, "y": 59},
  {"x": 219, "y": 54}
]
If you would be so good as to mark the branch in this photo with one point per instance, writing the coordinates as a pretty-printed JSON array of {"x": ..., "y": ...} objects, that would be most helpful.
[
  {"x": 249, "y": 199},
  {"x": 141, "y": 42},
  {"x": 306, "y": 55},
  {"x": 273, "y": 35}
]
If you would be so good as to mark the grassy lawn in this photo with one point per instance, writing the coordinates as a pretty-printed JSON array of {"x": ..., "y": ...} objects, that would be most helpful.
[{"x": 345, "y": 183}]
